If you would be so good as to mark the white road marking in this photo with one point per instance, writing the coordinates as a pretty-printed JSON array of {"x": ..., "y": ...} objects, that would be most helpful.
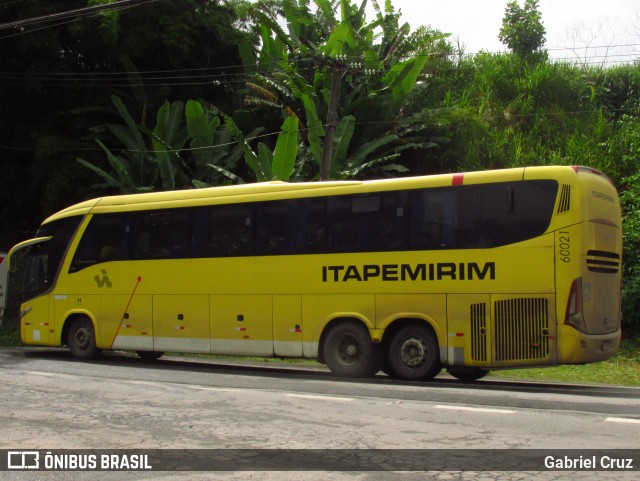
[
  {"x": 217, "y": 389},
  {"x": 476, "y": 410},
  {"x": 321, "y": 398},
  {"x": 623, "y": 420},
  {"x": 39, "y": 373}
]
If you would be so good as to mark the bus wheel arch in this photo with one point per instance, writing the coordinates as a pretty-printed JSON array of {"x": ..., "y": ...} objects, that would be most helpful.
[
  {"x": 79, "y": 335},
  {"x": 411, "y": 350},
  {"x": 347, "y": 349}
]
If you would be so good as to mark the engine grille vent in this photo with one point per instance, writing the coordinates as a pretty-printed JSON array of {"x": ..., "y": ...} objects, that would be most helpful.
[
  {"x": 603, "y": 262},
  {"x": 479, "y": 332},
  {"x": 521, "y": 329},
  {"x": 565, "y": 199}
]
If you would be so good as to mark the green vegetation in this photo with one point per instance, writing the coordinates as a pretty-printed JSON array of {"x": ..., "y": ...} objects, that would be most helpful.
[
  {"x": 9, "y": 337},
  {"x": 522, "y": 29},
  {"x": 623, "y": 369}
]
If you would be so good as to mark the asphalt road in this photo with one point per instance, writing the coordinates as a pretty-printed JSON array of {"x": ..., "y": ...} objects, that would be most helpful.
[{"x": 48, "y": 400}]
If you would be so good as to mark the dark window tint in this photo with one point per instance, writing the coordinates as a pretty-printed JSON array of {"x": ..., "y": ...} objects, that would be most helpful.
[
  {"x": 276, "y": 227},
  {"x": 316, "y": 230},
  {"x": 162, "y": 234},
  {"x": 372, "y": 222},
  {"x": 226, "y": 231},
  {"x": 103, "y": 240},
  {"x": 38, "y": 265},
  {"x": 478, "y": 216},
  {"x": 457, "y": 217}
]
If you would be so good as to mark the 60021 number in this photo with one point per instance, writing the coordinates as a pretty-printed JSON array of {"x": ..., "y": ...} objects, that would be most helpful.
[{"x": 564, "y": 245}]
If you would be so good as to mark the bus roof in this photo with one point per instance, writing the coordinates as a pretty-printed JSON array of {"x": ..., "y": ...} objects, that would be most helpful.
[{"x": 279, "y": 190}]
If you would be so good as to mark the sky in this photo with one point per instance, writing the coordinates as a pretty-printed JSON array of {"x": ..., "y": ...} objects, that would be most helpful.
[{"x": 574, "y": 28}]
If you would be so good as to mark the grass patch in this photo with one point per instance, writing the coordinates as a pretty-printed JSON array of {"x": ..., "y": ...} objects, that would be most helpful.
[
  {"x": 9, "y": 337},
  {"x": 623, "y": 369}
]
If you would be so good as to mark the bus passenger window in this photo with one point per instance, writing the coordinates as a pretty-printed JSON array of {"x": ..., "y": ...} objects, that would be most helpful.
[
  {"x": 356, "y": 223},
  {"x": 228, "y": 231},
  {"x": 344, "y": 230},
  {"x": 162, "y": 235},
  {"x": 276, "y": 228},
  {"x": 103, "y": 240},
  {"x": 434, "y": 219},
  {"x": 387, "y": 227}
]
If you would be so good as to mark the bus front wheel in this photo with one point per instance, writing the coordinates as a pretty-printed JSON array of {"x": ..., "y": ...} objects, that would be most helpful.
[
  {"x": 349, "y": 352},
  {"x": 414, "y": 354},
  {"x": 82, "y": 339}
]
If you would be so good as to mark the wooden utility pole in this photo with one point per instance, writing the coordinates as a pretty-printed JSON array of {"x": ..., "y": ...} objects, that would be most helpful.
[{"x": 332, "y": 115}]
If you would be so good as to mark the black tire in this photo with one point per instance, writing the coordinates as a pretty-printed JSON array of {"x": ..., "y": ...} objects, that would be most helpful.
[
  {"x": 150, "y": 355},
  {"x": 414, "y": 354},
  {"x": 467, "y": 374},
  {"x": 349, "y": 352},
  {"x": 82, "y": 339}
]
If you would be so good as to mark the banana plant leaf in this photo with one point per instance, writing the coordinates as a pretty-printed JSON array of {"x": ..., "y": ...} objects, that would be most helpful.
[{"x": 286, "y": 151}]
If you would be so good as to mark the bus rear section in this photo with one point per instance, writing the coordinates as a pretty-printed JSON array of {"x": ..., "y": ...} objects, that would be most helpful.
[{"x": 589, "y": 273}]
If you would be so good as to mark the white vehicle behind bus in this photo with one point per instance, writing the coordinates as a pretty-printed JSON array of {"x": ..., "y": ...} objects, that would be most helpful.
[{"x": 3, "y": 283}]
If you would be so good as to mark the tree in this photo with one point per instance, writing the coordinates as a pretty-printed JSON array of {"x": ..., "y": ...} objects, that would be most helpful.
[
  {"x": 51, "y": 70},
  {"x": 336, "y": 72},
  {"x": 522, "y": 28}
]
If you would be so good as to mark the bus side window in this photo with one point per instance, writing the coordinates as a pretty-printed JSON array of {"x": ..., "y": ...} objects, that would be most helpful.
[
  {"x": 228, "y": 231},
  {"x": 344, "y": 230},
  {"x": 162, "y": 234},
  {"x": 276, "y": 227},
  {"x": 315, "y": 232},
  {"x": 355, "y": 223},
  {"x": 514, "y": 212},
  {"x": 388, "y": 225},
  {"x": 434, "y": 219},
  {"x": 103, "y": 240}
]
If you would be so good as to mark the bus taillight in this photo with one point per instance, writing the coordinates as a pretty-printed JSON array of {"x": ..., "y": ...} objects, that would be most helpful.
[{"x": 574, "y": 316}]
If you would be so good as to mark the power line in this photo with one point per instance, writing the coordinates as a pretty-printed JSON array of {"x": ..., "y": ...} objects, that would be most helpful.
[
  {"x": 227, "y": 70},
  {"x": 271, "y": 134},
  {"x": 74, "y": 13},
  {"x": 206, "y": 76}
]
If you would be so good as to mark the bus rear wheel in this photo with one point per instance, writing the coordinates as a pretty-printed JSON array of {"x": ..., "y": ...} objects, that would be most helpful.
[
  {"x": 82, "y": 339},
  {"x": 467, "y": 374},
  {"x": 414, "y": 354},
  {"x": 349, "y": 352}
]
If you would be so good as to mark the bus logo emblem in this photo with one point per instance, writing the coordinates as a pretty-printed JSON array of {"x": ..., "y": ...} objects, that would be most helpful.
[{"x": 104, "y": 280}]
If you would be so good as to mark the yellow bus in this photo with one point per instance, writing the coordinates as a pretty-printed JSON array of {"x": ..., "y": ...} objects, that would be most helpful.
[{"x": 470, "y": 272}]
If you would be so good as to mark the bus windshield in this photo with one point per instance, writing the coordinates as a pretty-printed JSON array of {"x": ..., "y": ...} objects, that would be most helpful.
[{"x": 35, "y": 267}]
